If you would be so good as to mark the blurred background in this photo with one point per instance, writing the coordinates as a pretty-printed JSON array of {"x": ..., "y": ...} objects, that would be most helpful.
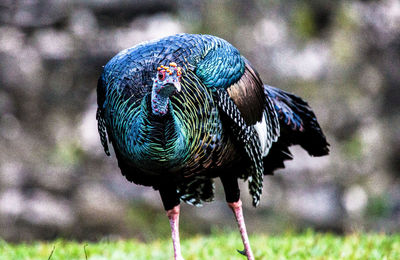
[{"x": 343, "y": 57}]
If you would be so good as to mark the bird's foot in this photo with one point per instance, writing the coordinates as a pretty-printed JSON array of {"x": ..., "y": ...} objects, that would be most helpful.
[{"x": 242, "y": 252}]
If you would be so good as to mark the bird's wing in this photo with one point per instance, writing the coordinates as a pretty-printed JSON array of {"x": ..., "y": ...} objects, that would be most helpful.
[
  {"x": 239, "y": 94},
  {"x": 101, "y": 123},
  {"x": 247, "y": 138},
  {"x": 222, "y": 67}
]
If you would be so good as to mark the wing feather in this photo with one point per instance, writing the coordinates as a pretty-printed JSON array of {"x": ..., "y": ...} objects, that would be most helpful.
[{"x": 248, "y": 95}]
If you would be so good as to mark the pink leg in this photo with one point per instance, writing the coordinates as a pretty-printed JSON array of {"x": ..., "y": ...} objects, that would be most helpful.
[
  {"x": 237, "y": 210},
  {"x": 173, "y": 216}
]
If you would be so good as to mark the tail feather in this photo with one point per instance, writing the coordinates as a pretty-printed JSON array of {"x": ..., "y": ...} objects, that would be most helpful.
[
  {"x": 278, "y": 153},
  {"x": 299, "y": 126}
]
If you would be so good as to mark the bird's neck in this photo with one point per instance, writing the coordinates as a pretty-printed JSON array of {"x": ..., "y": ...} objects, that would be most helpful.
[
  {"x": 160, "y": 141},
  {"x": 159, "y": 103}
]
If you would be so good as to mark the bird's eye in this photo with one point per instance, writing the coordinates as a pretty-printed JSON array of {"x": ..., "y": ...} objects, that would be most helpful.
[{"x": 161, "y": 75}]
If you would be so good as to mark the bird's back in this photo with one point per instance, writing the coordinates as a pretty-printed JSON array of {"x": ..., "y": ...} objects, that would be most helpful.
[{"x": 131, "y": 69}]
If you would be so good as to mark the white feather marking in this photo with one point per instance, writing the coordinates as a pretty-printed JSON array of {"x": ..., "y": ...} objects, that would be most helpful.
[{"x": 261, "y": 128}]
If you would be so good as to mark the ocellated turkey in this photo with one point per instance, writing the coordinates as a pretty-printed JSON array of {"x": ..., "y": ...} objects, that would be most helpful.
[{"x": 185, "y": 109}]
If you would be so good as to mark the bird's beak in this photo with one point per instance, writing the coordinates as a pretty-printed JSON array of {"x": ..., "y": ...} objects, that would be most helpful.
[{"x": 177, "y": 85}]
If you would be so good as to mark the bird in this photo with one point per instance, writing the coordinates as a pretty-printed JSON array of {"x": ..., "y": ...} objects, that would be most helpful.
[{"x": 186, "y": 109}]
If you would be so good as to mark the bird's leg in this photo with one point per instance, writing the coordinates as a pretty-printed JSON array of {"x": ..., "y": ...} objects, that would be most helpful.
[
  {"x": 237, "y": 210},
  {"x": 173, "y": 216},
  {"x": 170, "y": 199},
  {"x": 232, "y": 194}
]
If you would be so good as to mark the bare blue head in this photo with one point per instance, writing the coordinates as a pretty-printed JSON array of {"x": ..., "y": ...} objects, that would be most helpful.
[{"x": 165, "y": 84}]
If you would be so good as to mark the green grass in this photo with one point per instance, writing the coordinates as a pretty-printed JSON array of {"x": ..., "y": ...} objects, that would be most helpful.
[{"x": 308, "y": 245}]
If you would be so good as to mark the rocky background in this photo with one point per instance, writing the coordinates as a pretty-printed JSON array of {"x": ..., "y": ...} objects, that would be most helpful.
[{"x": 341, "y": 56}]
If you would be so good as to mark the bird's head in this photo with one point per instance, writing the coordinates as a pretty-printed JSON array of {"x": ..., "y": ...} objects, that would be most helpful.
[{"x": 165, "y": 83}]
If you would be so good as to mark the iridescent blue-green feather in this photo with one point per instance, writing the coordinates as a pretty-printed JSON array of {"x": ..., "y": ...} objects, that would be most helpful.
[{"x": 223, "y": 119}]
